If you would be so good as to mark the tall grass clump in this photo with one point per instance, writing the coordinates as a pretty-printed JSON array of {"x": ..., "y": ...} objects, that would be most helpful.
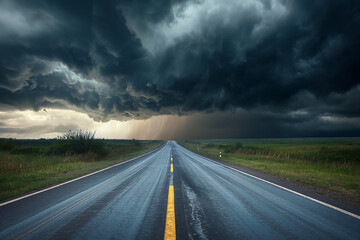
[
  {"x": 79, "y": 142},
  {"x": 230, "y": 148}
]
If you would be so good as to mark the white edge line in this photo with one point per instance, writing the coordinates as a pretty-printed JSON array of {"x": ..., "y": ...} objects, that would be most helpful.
[
  {"x": 284, "y": 188},
  {"x": 75, "y": 179}
]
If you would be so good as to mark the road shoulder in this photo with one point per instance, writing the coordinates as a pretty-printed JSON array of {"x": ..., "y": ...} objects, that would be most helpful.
[{"x": 325, "y": 195}]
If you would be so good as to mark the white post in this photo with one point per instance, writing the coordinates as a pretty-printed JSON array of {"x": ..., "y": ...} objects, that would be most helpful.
[{"x": 220, "y": 154}]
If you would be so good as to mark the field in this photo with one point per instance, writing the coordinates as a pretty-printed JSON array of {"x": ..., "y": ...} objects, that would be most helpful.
[
  {"x": 27, "y": 165},
  {"x": 327, "y": 163}
]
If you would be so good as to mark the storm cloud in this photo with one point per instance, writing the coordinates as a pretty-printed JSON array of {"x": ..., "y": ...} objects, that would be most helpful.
[{"x": 290, "y": 61}]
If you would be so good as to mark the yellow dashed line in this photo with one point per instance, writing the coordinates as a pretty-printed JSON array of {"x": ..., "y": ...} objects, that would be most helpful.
[{"x": 170, "y": 231}]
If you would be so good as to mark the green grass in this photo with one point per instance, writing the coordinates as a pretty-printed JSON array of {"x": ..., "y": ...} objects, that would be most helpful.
[
  {"x": 328, "y": 163},
  {"x": 28, "y": 165},
  {"x": 70, "y": 143}
]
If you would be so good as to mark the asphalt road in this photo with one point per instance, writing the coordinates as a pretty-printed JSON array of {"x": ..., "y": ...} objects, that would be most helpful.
[
  {"x": 125, "y": 202},
  {"x": 129, "y": 201},
  {"x": 215, "y": 202}
]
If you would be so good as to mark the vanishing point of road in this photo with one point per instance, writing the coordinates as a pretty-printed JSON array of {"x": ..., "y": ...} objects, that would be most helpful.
[{"x": 172, "y": 192}]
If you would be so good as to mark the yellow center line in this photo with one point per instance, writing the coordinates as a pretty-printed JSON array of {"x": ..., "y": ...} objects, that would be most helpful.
[{"x": 170, "y": 231}]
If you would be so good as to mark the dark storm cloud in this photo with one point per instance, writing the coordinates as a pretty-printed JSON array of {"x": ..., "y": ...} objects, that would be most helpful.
[
  {"x": 136, "y": 59},
  {"x": 307, "y": 50}
]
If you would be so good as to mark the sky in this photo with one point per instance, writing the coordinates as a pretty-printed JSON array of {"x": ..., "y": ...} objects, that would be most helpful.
[{"x": 180, "y": 69}]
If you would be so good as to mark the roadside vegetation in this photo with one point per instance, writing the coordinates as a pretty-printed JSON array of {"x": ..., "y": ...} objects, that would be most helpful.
[
  {"x": 27, "y": 165},
  {"x": 327, "y": 163}
]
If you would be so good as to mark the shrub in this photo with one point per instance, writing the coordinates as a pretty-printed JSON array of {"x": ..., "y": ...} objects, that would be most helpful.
[
  {"x": 78, "y": 142},
  {"x": 232, "y": 148},
  {"x": 136, "y": 143},
  {"x": 7, "y": 145},
  {"x": 210, "y": 145}
]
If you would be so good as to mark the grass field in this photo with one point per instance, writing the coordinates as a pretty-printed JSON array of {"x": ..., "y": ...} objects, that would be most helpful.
[
  {"x": 328, "y": 163},
  {"x": 27, "y": 165}
]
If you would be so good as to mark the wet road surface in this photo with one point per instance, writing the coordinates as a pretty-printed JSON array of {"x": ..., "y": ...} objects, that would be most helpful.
[
  {"x": 125, "y": 202},
  {"x": 129, "y": 201},
  {"x": 215, "y": 202}
]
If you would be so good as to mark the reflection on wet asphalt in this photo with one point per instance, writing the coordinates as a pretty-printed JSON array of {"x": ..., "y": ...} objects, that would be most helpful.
[
  {"x": 124, "y": 202},
  {"x": 215, "y": 202}
]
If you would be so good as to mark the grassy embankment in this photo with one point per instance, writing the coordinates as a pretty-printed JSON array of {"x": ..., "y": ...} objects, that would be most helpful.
[
  {"x": 27, "y": 165},
  {"x": 325, "y": 162}
]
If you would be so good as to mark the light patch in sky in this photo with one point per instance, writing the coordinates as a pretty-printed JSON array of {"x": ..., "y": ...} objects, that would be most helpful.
[
  {"x": 47, "y": 123},
  {"x": 50, "y": 123},
  {"x": 73, "y": 78},
  {"x": 349, "y": 121},
  {"x": 299, "y": 113},
  {"x": 192, "y": 18},
  {"x": 27, "y": 23}
]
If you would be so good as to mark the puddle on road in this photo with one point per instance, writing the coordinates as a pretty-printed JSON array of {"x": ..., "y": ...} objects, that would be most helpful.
[{"x": 195, "y": 220}]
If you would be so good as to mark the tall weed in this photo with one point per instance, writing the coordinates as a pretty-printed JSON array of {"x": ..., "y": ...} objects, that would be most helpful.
[{"x": 78, "y": 142}]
